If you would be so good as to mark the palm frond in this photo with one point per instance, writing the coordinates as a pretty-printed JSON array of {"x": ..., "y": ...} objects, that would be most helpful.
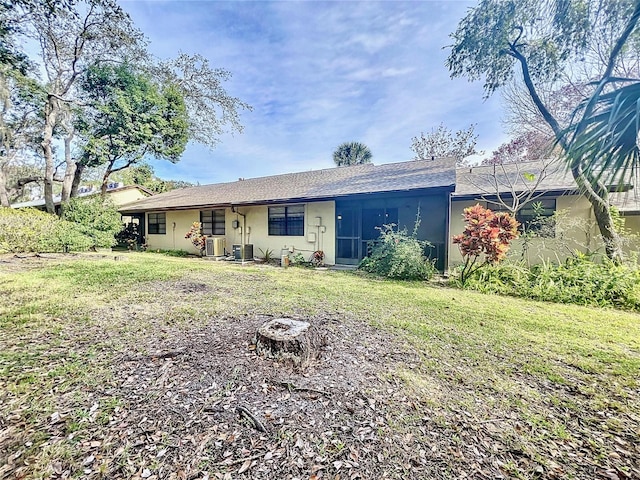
[{"x": 605, "y": 143}]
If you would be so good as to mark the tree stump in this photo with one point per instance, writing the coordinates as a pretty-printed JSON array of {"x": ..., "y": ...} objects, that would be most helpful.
[{"x": 290, "y": 340}]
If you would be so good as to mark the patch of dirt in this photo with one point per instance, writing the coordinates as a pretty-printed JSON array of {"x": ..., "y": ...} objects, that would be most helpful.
[
  {"x": 20, "y": 262},
  {"x": 210, "y": 404}
]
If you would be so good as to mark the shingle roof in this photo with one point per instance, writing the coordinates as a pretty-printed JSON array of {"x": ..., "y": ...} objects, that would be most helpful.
[
  {"x": 311, "y": 185},
  {"x": 485, "y": 180}
]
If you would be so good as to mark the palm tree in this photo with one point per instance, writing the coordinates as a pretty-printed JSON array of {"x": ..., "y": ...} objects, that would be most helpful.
[{"x": 352, "y": 153}]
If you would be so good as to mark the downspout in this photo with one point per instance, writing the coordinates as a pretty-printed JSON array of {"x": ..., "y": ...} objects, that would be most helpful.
[
  {"x": 244, "y": 227},
  {"x": 447, "y": 232}
]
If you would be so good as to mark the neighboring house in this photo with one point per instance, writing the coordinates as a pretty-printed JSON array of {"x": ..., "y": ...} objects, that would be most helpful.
[
  {"x": 552, "y": 187},
  {"x": 336, "y": 210},
  {"x": 117, "y": 193}
]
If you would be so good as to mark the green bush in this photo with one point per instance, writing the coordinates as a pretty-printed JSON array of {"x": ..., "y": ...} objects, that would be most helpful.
[
  {"x": 396, "y": 254},
  {"x": 579, "y": 280},
  {"x": 31, "y": 230},
  {"x": 97, "y": 218}
]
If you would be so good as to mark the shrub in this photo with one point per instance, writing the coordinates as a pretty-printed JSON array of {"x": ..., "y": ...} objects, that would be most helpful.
[
  {"x": 31, "y": 230},
  {"x": 297, "y": 260},
  {"x": 579, "y": 280},
  {"x": 197, "y": 238},
  {"x": 95, "y": 217},
  {"x": 396, "y": 254},
  {"x": 486, "y": 234},
  {"x": 267, "y": 255}
]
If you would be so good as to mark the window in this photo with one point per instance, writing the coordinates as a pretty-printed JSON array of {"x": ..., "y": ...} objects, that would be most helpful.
[
  {"x": 288, "y": 221},
  {"x": 212, "y": 222},
  {"x": 157, "y": 223},
  {"x": 535, "y": 217}
]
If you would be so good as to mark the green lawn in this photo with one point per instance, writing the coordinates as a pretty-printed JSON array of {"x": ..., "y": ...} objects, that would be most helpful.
[{"x": 484, "y": 385}]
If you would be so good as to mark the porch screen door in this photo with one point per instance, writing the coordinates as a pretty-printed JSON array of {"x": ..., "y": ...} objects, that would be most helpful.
[{"x": 348, "y": 242}]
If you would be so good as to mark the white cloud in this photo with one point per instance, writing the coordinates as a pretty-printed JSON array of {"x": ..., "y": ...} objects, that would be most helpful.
[{"x": 318, "y": 74}]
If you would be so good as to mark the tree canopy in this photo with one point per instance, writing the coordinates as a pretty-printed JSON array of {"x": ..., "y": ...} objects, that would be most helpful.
[
  {"x": 143, "y": 174},
  {"x": 75, "y": 36},
  {"x": 352, "y": 153},
  {"x": 128, "y": 118},
  {"x": 442, "y": 142}
]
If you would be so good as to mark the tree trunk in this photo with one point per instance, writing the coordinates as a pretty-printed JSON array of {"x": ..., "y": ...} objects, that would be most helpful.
[
  {"x": 289, "y": 340},
  {"x": 70, "y": 169},
  {"x": 77, "y": 178},
  {"x": 107, "y": 174},
  {"x": 50, "y": 117},
  {"x": 594, "y": 191},
  {"x": 598, "y": 196},
  {"x": 4, "y": 194}
]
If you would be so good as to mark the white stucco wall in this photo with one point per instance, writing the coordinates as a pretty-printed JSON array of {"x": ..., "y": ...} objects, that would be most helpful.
[{"x": 256, "y": 231}]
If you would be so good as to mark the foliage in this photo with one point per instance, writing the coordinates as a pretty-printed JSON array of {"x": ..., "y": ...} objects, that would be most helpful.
[
  {"x": 210, "y": 109},
  {"x": 129, "y": 236},
  {"x": 297, "y": 260},
  {"x": 96, "y": 217},
  {"x": 267, "y": 255},
  {"x": 31, "y": 230},
  {"x": 579, "y": 280},
  {"x": 351, "y": 153},
  {"x": 398, "y": 255},
  {"x": 525, "y": 147},
  {"x": 605, "y": 141},
  {"x": 441, "y": 142},
  {"x": 551, "y": 33},
  {"x": 143, "y": 174},
  {"x": 545, "y": 39},
  {"x": 197, "y": 238},
  {"x": 129, "y": 117},
  {"x": 486, "y": 234},
  {"x": 20, "y": 124},
  {"x": 317, "y": 258}
]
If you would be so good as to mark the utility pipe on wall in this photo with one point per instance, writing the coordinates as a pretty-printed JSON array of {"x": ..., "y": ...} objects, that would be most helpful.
[{"x": 244, "y": 227}]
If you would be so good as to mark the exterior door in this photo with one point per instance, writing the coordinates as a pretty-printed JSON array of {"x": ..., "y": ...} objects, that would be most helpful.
[{"x": 348, "y": 235}]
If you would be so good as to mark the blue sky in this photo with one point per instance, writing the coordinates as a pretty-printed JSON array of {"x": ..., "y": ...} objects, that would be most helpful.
[{"x": 318, "y": 74}]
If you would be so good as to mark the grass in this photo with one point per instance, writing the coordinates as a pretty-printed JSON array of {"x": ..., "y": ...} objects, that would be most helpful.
[{"x": 561, "y": 373}]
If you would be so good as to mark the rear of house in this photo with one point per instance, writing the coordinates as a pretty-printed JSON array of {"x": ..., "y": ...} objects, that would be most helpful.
[{"x": 336, "y": 210}]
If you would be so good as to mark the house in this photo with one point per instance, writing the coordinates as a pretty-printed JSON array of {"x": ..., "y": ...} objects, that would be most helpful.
[
  {"x": 339, "y": 210},
  {"x": 118, "y": 193},
  {"x": 336, "y": 210},
  {"x": 548, "y": 188}
]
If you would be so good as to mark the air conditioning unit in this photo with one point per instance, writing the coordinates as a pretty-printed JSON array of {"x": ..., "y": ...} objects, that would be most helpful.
[
  {"x": 219, "y": 244},
  {"x": 214, "y": 246},
  {"x": 248, "y": 252},
  {"x": 209, "y": 247}
]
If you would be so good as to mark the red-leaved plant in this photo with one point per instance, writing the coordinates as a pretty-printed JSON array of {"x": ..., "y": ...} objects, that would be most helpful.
[
  {"x": 486, "y": 234},
  {"x": 196, "y": 236}
]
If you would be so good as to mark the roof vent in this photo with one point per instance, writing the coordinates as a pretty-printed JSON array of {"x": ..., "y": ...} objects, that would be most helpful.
[{"x": 240, "y": 179}]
